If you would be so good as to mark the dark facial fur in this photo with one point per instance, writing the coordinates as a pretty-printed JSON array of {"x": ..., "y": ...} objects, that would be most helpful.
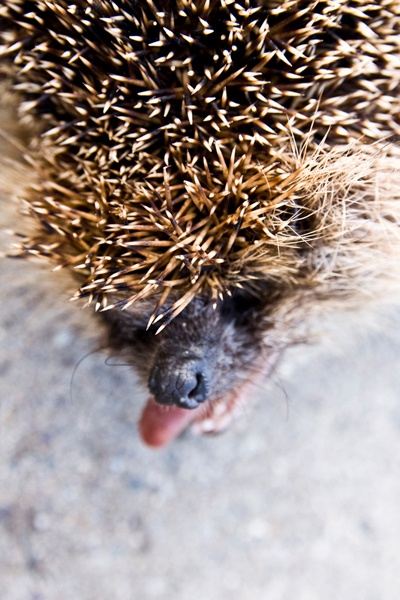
[{"x": 204, "y": 353}]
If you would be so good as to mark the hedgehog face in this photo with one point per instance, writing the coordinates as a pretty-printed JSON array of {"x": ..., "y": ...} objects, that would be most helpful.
[
  {"x": 202, "y": 354},
  {"x": 200, "y": 361}
]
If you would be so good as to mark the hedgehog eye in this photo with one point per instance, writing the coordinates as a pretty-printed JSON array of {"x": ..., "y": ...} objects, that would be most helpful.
[
  {"x": 142, "y": 334},
  {"x": 239, "y": 307},
  {"x": 243, "y": 301}
]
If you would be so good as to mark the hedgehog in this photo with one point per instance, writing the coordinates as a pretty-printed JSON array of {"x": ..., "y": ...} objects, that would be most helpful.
[{"x": 212, "y": 173}]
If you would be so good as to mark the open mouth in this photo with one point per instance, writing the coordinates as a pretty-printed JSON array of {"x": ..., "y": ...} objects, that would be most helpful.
[{"x": 159, "y": 425}]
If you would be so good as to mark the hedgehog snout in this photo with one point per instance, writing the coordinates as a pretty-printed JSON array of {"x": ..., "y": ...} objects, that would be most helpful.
[{"x": 182, "y": 382}]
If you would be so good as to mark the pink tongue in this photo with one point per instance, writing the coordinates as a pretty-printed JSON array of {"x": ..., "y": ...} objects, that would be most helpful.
[{"x": 159, "y": 425}]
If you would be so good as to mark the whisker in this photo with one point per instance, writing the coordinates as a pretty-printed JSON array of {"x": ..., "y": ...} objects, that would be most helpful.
[{"x": 78, "y": 364}]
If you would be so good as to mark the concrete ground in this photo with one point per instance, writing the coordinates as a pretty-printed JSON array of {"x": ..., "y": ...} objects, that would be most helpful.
[{"x": 300, "y": 500}]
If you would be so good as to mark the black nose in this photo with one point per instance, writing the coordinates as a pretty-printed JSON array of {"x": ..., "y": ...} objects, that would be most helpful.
[{"x": 182, "y": 382}]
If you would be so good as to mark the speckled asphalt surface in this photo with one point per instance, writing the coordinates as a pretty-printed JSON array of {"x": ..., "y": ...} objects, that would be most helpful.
[{"x": 300, "y": 500}]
